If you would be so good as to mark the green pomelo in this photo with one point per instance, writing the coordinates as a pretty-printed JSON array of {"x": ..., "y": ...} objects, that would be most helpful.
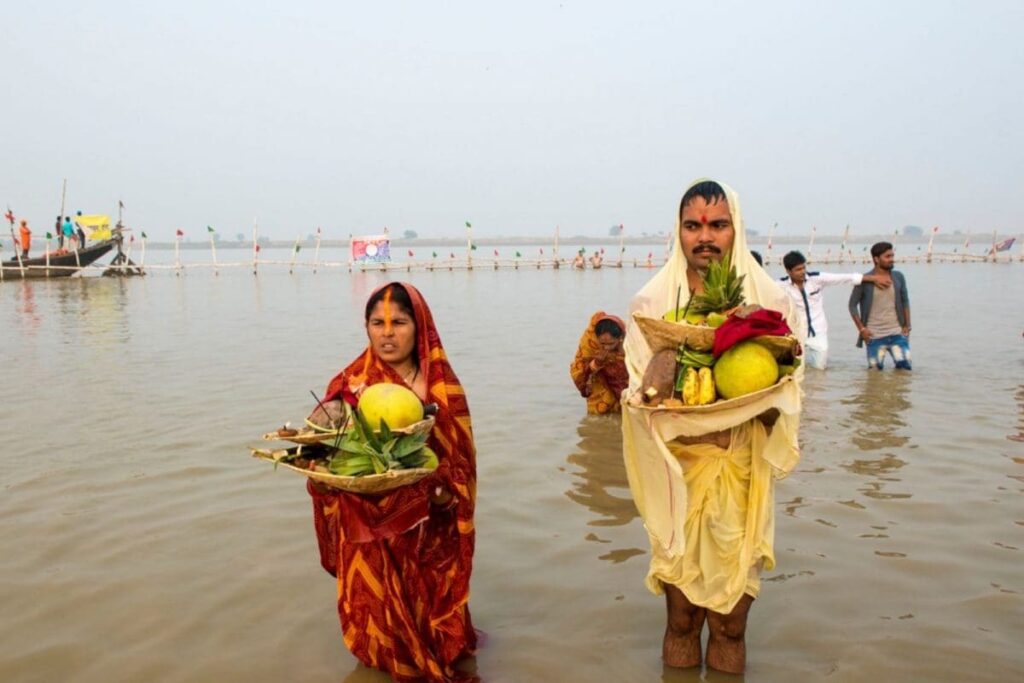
[
  {"x": 744, "y": 369},
  {"x": 398, "y": 406},
  {"x": 676, "y": 316},
  {"x": 715, "y": 320}
]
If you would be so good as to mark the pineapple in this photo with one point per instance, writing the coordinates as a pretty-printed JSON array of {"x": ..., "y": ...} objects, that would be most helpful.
[{"x": 723, "y": 289}]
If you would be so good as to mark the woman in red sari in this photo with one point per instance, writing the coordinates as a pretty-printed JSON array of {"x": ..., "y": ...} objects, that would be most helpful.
[{"x": 403, "y": 558}]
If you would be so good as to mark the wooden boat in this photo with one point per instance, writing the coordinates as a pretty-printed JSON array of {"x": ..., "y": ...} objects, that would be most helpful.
[{"x": 62, "y": 264}]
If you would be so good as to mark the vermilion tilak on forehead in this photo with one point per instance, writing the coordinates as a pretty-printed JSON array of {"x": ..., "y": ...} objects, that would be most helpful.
[
  {"x": 703, "y": 218},
  {"x": 387, "y": 312}
]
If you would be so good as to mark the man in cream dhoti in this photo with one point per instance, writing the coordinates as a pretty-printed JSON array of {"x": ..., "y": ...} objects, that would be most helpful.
[{"x": 703, "y": 482}]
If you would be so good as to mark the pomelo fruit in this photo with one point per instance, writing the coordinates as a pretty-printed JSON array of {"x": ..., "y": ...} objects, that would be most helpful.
[
  {"x": 675, "y": 315},
  {"x": 744, "y": 369},
  {"x": 715, "y": 320},
  {"x": 395, "y": 404}
]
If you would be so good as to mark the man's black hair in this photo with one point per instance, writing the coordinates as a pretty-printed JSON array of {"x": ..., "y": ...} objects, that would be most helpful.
[
  {"x": 793, "y": 259},
  {"x": 879, "y": 248},
  {"x": 607, "y": 326},
  {"x": 709, "y": 190},
  {"x": 757, "y": 257}
]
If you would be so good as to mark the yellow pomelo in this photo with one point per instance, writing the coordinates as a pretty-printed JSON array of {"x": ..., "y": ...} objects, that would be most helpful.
[
  {"x": 744, "y": 369},
  {"x": 395, "y": 404}
]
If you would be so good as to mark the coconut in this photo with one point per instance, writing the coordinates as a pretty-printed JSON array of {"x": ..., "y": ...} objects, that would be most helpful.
[
  {"x": 398, "y": 406},
  {"x": 743, "y": 369}
]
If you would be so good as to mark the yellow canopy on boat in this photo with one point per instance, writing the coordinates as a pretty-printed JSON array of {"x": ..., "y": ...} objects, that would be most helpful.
[{"x": 96, "y": 227}]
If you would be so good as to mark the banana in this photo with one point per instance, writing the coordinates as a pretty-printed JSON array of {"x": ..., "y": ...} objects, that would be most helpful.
[
  {"x": 691, "y": 387},
  {"x": 707, "y": 386}
]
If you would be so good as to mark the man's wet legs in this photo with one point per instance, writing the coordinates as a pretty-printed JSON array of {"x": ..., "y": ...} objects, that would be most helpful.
[
  {"x": 681, "y": 647},
  {"x": 727, "y": 647}
]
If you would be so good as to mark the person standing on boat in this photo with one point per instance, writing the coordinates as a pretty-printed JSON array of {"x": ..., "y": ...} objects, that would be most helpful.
[
  {"x": 26, "y": 238},
  {"x": 59, "y": 232},
  {"x": 67, "y": 231}
]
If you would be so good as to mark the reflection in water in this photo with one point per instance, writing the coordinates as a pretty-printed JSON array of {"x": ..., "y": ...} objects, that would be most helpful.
[
  {"x": 1019, "y": 436},
  {"x": 601, "y": 470},
  {"x": 877, "y": 409},
  {"x": 600, "y": 462}
]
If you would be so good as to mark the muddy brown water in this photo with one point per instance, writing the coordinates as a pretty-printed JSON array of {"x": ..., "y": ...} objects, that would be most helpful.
[{"x": 140, "y": 542}]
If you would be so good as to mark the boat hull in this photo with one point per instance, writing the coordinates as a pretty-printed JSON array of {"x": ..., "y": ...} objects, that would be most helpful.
[{"x": 61, "y": 265}]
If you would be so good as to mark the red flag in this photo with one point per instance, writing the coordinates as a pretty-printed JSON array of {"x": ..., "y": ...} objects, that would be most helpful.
[
  {"x": 179, "y": 233},
  {"x": 453, "y": 254},
  {"x": 410, "y": 253},
  {"x": 542, "y": 251},
  {"x": 495, "y": 252},
  {"x": 318, "y": 229},
  {"x": 622, "y": 226},
  {"x": 132, "y": 238},
  {"x": 257, "y": 248},
  {"x": 9, "y": 215},
  {"x": 650, "y": 255}
]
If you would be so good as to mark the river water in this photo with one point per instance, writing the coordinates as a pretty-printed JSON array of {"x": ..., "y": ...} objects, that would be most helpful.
[{"x": 140, "y": 542}]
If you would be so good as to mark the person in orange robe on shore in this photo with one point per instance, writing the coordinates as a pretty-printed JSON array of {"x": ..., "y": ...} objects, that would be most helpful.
[
  {"x": 599, "y": 368},
  {"x": 403, "y": 558}
]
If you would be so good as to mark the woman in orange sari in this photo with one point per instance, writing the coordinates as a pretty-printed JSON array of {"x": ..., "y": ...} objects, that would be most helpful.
[
  {"x": 403, "y": 558},
  {"x": 599, "y": 368}
]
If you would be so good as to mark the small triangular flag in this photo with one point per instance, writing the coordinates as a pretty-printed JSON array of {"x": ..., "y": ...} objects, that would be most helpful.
[
  {"x": 179, "y": 233},
  {"x": 143, "y": 235},
  {"x": 298, "y": 247},
  {"x": 472, "y": 247},
  {"x": 434, "y": 254},
  {"x": 468, "y": 224},
  {"x": 518, "y": 255},
  {"x": 49, "y": 236},
  {"x": 209, "y": 229}
]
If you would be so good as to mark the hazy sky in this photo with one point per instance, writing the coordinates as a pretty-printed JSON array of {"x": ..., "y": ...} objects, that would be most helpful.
[{"x": 422, "y": 115}]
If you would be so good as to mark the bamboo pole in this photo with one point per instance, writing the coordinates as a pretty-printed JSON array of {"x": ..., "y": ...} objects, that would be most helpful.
[
  {"x": 47, "y": 257},
  {"x": 931, "y": 241},
  {"x": 142, "y": 262},
  {"x": 810, "y": 245},
  {"x": 316, "y": 251},
  {"x": 177, "y": 251},
  {"x": 213, "y": 247},
  {"x": 295, "y": 252},
  {"x": 255, "y": 247},
  {"x": 622, "y": 243},
  {"x": 768, "y": 251},
  {"x": 469, "y": 246}
]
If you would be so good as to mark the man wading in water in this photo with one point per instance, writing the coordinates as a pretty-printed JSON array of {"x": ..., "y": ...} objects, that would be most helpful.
[{"x": 703, "y": 482}]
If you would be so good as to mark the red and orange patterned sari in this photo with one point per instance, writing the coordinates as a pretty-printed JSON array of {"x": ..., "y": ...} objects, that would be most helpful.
[
  {"x": 403, "y": 563},
  {"x": 603, "y": 387}
]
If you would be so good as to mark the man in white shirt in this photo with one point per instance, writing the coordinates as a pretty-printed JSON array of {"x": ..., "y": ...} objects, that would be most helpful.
[{"x": 805, "y": 288}]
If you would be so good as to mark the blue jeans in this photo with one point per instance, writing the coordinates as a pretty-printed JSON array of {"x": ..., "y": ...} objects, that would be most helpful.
[{"x": 895, "y": 345}]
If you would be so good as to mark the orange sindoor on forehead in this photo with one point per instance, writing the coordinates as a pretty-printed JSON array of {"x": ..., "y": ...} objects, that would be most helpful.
[{"x": 387, "y": 312}]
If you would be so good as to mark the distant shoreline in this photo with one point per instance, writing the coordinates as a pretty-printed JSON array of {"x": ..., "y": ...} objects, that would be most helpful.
[{"x": 578, "y": 240}]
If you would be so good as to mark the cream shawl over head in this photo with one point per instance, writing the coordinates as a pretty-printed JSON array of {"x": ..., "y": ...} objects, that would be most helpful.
[{"x": 655, "y": 474}]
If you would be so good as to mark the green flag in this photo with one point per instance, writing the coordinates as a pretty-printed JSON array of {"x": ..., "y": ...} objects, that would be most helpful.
[
  {"x": 472, "y": 247},
  {"x": 518, "y": 255},
  {"x": 143, "y": 234},
  {"x": 209, "y": 229},
  {"x": 468, "y": 224},
  {"x": 298, "y": 247},
  {"x": 49, "y": 236},
  {"x": 434, "y": 254}
]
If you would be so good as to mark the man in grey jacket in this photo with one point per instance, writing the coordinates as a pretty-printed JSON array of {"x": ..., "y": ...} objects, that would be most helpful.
[{"x": 882, "y": 315}]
